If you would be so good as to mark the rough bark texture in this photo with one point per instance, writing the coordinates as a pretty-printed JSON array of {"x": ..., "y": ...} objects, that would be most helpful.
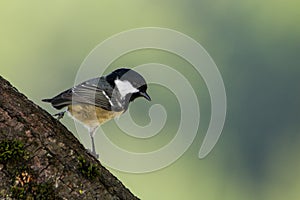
[{"x": 41, "y": 159}]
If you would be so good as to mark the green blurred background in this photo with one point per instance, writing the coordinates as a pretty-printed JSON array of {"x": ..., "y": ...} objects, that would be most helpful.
[{"x": 255, "y": 44}]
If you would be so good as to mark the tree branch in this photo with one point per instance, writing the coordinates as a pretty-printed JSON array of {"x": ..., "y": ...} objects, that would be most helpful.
[{"x": 41, "y": 159}]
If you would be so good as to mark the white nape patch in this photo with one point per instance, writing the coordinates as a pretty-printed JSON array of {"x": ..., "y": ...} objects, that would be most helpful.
[
  {"x": 125, "y": 87},
  {"x": 103, "y": 92}
]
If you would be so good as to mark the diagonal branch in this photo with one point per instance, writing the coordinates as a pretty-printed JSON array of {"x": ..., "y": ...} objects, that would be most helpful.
[{"x": 41, "y": 159}]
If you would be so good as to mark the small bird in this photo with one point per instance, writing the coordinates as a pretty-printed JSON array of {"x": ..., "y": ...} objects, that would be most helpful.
[{"x": 98, "y": 100}]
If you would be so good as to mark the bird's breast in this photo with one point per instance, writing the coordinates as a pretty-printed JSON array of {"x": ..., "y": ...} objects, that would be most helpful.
[{"x": 90, "y": 115}]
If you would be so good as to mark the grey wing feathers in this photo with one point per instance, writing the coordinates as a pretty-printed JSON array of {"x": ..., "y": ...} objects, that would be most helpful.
[{"x": 95, "y": 91}]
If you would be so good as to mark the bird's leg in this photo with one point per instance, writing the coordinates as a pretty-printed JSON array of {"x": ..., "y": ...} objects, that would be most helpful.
[
  {"x": 59, "y": 115},
  {"x": 92, "y": 132}
]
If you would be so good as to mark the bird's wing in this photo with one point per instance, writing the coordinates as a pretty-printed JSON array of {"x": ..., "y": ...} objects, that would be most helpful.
[{"x": 95, "y": 91}]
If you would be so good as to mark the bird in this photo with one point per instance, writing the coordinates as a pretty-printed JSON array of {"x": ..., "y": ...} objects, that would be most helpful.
[{"x": 98, "y": 100}]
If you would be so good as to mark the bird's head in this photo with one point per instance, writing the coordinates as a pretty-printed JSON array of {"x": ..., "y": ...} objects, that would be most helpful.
[{"x": 129, "y": 83}]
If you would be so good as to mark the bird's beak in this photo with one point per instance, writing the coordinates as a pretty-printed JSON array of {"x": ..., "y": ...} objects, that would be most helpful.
[{"x": 145, "y": 95}]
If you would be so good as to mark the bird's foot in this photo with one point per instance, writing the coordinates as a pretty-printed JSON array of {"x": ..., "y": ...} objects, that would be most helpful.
[
  {"x": 93, "y": 153},
  {"x": 59, "y": 115}
]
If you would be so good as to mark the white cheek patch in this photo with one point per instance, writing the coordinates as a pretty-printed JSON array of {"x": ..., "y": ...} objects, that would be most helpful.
[{"x": 125, "y": 87}]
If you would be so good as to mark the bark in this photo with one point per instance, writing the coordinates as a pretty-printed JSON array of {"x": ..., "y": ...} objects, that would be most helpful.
[{"x": 41, "y": 159}]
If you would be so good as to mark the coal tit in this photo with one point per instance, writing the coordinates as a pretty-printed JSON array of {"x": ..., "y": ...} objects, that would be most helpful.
[{"x": 98, "y": 100}]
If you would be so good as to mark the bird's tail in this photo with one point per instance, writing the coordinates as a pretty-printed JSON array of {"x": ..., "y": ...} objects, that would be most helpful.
[
  {"x": 58, "y": 102},
  {"x": 47, "y": 100}
]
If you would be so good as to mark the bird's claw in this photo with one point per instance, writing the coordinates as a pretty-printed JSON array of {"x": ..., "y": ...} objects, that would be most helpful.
[
  {"x": 93, "y": 153},
  {"x": 59, "y": 115}
]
